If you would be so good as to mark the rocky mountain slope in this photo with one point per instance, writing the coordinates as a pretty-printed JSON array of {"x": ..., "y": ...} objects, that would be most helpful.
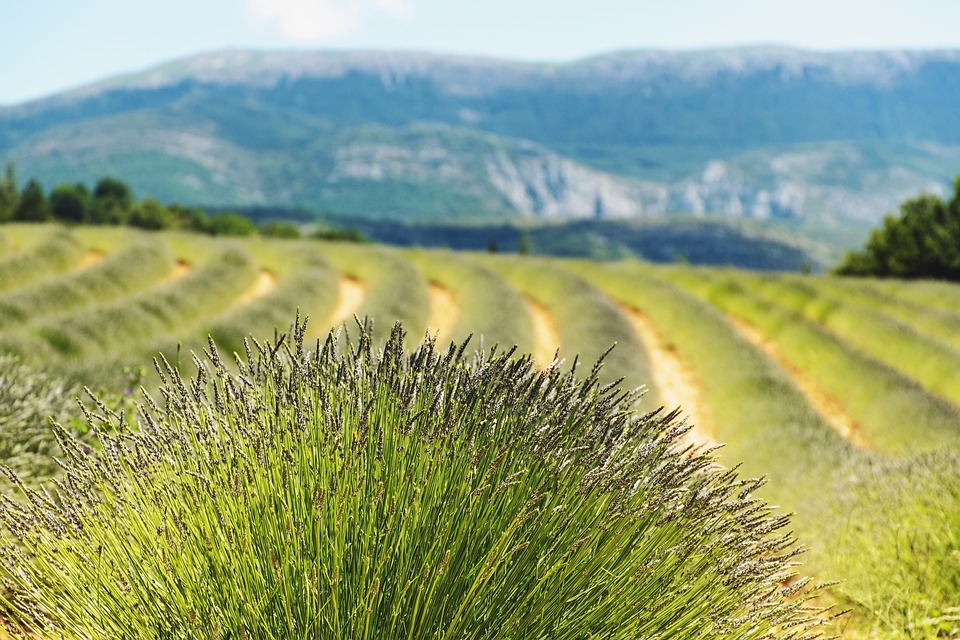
[{"x": 762, "y": 133}]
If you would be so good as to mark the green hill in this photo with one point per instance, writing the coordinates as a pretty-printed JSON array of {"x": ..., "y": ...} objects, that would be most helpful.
[{"x": 761, "y": 133}]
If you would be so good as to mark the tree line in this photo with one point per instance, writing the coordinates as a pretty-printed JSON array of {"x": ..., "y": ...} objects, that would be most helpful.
[
  {"x": 111, "y": 202},
  {"x": 922, "y": 241}
]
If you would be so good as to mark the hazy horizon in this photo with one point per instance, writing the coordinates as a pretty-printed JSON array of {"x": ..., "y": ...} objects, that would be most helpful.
[{"x": 55, "y": 45}]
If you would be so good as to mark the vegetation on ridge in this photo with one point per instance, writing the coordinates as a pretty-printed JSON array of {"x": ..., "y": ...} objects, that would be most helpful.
[{"x": 922, "y": 242}]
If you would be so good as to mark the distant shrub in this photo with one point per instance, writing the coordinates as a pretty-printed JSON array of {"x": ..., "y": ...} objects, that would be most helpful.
[
  {"x": 32, "y": 205},
  {"x": 231, "y": 224},
  {"x": 278, "y": 229},
  {"x": 150, "y": 214},
  {"x": 368, "y": 493},
  {"x": 339, "y": 235},
  {"x": 70, "y": 203},
  {"x": 112, "y": 200},
  {"x": 922, "y": 242}
]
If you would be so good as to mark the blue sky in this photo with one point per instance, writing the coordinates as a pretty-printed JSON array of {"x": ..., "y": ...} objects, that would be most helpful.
[{"x": 50, "y": 45}]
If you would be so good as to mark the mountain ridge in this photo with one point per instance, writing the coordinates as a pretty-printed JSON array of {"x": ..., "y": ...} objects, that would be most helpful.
[
  {"x": 756, "y": 132},
  {"x": 878, "y": 65}
]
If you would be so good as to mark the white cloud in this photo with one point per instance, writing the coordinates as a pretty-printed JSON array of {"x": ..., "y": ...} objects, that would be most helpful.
[{"x": 318, "y": 20}]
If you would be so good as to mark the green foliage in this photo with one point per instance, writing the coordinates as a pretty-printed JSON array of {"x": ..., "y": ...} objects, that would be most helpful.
[
  {"x": 376, "y": 494},
  {"x": 231, "y": 224},
  {"x": 922, "y": 242},
  {"x": 112, "y": 200},
  {"x": 70, "y": 203},
  {"x": 525, "y": 247},
  {"x": 9, "y": 194},
  {"x": 190, "y": 218},
  {"x": 280, "y": 229},
  {"x": 899, "y": 551},
  {"x": 350, "y": 234},
  {"x": 150, "y": 214},
  {"x": 32, "y": 205}
]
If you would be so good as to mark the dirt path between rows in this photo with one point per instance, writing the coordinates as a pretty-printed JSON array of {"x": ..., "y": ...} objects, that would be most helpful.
[
  {"x": 826, "y": 405},
  {"x": 444, "y": 313},
  {"x": 546, "y": 335},
  {"x": 266, "y": 282},
  {"x": 180, "y": 270},
  {"x": 675, "y": 381},
  {"x": 351, "y": 296},
  {"x": 92, "y": 257}
]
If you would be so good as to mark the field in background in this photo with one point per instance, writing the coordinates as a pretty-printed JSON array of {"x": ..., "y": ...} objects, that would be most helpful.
[{"x": 844, "y": 394}]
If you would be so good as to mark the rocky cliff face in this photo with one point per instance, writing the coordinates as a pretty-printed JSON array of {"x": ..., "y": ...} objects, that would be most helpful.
[{"x": 755, "y": 133}]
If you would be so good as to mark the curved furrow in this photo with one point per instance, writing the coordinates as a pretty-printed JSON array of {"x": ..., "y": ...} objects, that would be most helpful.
[
  {"x": 677, "y": 384},
  {"x": 310, "y": 291},
  {"x": 931, "y": 321},
  {"x": 350, "y": 296},
  {"x": 546, "y": 334},
  {"x": 897, "y": 415},
  {"x": 588, "y": 321},
  {"x": 56, "y": 252},
  {"x": 139, "y": 318},
  {"x": 111, "y": 276},
  {"x": 396, "y": 291},
  {"x": 753, "y": 405},
  {"x": 444, "y": 312},
  {"x": 489, "y": 308},
  {"x": 925, "y": 358}
]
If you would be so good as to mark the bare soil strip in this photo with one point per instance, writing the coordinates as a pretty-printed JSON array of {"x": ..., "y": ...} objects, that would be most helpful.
[
  {"x": 180, "y": 270},
  {"x": 92, "y": 257},
  {"x": 826, "y": 405},
  {"x": 444, "y": 313},
  {"x": 266, "y": 282},
  {"x": 676, "y": 382},
  {"x": 352, "y": 294},
  {"x": 546, "y": 336}
]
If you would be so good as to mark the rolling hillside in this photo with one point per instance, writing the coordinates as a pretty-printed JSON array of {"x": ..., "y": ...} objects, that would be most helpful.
[
  {"x": 842, "y": 394},
  {"x": 761, "y": 133}
]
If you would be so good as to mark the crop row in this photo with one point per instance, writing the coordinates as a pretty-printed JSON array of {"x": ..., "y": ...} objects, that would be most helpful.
[{"x": 766, "y": 351}]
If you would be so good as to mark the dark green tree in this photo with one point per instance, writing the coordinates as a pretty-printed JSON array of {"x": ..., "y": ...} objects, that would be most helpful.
[
  {"x": 190, "y": 218},
  {"x": 112, "y": 201},
  {"x": 278, "y": 229},
  {"x": 150, "y": 214},
  {"x": 923, "y": 241},
  {"x": 232, "y": 224},
  {"x": 33, "y": 205},
  {"x": 70, "y": 202},
  {"x": 8, "y": 193}
]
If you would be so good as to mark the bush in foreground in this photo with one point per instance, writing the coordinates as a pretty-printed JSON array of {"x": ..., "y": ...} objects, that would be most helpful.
[{"x": 362, "y": 493}]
